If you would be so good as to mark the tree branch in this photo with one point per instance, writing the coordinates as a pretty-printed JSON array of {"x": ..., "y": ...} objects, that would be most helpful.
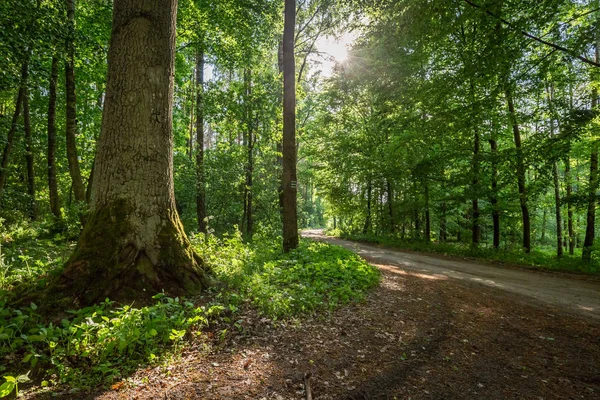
[{"x": 532, "y": 37}]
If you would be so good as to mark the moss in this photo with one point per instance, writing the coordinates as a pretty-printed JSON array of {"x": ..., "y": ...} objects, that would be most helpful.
[{"x": 106, "y": 262}]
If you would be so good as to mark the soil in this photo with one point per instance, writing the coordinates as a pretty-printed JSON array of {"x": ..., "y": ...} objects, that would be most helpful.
[{"x": 418, "y": 335}]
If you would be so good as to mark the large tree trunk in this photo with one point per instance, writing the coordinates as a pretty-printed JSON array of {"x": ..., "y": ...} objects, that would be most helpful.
[
  {"x": 200, "y": 188},
  {"x": 133, "y": 244},
  {"x": 12, "y": 131},
  {"x": 52, "y": 183},
  {"x": 29, "y": 152},
  {"x": 71, "y": 111},
  {"x": 520, "y": 173},
  {"x": 289, "y": 180}
]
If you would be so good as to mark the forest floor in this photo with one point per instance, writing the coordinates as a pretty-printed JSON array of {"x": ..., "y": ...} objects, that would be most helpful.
[{"x": 423, "y": 333}]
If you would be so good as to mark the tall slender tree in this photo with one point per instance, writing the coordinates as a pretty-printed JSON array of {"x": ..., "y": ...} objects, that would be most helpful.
[
  {"x": 71, "y": 103},
  {"x": 289, "y": 180}
]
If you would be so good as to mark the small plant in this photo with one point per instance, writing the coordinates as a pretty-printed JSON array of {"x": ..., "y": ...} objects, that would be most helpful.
[{"x": 12, "y": 383}]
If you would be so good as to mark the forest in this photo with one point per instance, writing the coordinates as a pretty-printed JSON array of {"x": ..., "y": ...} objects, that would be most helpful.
[{"x": 181, "y": 182}]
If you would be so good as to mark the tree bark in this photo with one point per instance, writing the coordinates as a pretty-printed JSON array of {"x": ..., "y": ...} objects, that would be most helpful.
[
  {"x": 52, "y": 182},
  {"x": 520, "y": 173},
  {"x": 133, "y": 244},
  {"x": 475, "y": 228},
  {"x": 289, "y": 179},
  {"x": 588, "y": 242},
  {"x": 569, "y": 206},
  {"x": 12, "y": 131},
  {"x": 390, "y": 201},
  {"x": 200, "y": 185},
  {"x": 494, "y": 197},
  {"x": 29, "y": 151},
  {"x": 367, "y": 225},
  {"x": 559, "y": 241},
  {"x": 71, "y": 110},
  {"x": 249, "y": 150},
  {"x": 427, "y": 215}
]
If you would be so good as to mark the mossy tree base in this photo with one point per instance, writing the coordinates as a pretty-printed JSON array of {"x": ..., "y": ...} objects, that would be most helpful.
[{"x": 123, "y": 256}]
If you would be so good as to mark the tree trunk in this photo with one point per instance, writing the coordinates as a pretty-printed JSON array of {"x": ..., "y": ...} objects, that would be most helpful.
[
  {"x": 593, "y": 186},
  {"x": 494, "y": 198},
  {"x": 520, "y": 173},
  {"x": 390, "y": 201},
  {"x": 29, "y": 152},
  {"x": 289, "y": 180},
  {"x": 427, "y": 216},
  {"x": 52, "y": 183},
  {"x": 133, "y": 244},
  {"x": 569, "y": 206},
  {"x": 12, "y": 131},
  {"x": 71, "y": 111},
  {"x": 559, "y": 241},
  {"x": 249, "y": 149},
  {"x": 367, "y": 225},
  {"x": 200, "y": 185}
]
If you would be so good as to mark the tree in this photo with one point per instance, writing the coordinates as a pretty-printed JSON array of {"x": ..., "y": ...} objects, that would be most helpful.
[
  {"x": 71, "y": 113},
  {"x": 288, "y": 179},
  {"x": 133, "y": 240}
]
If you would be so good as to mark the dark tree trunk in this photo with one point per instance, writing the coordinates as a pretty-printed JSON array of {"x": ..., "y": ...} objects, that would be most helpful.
[
  {"x": 475, "y": 228},
  {"x": 133, "y": 244},
  {"x": 290, "y": 220},
  {"x": 71, "y": 111},
  {"x": 427, "y": 216},
  {"x": 200, "y": 179},
  {"x": 494, "y": 198},
  {"x": 559, "y": 241},
  {"x": 367, "y": 225},
  {"x": 390, "y": 201},
  {"x": 12, "y": 131},
  {"x": 569, "y": 206},
  {"x": 591, "y": 206},
  {"x": 593, "y": 186},
  {"x": 52, "y": 183},
  {"x": 29, "y": 152},
  {"x": 520, "y": 173}
]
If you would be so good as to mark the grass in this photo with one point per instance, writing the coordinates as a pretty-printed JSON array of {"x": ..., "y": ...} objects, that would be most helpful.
[
  {"x": 98, "y": 345},
  {"x": 540, "y": 258}
]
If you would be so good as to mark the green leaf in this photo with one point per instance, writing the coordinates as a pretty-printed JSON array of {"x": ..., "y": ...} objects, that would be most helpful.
[{"x": 6, "y": 388}]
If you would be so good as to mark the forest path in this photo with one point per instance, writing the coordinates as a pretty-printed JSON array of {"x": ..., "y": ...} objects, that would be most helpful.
[{"x": 572, "y": 293}]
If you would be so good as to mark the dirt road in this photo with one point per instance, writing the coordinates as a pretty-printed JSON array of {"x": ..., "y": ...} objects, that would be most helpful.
[{"x": 578, "y": 295}]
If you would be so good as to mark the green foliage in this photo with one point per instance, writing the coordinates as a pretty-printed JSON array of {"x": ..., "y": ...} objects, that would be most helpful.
[
  {"x": 312, "y": 278},
  {"x": 98, "y": 344}
]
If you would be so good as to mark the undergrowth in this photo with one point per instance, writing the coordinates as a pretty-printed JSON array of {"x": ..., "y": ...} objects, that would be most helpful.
[
  {"x": 106, "y": 342},
  {"x": 314, "y": 277},
  {"x": 535, "y": 259}
]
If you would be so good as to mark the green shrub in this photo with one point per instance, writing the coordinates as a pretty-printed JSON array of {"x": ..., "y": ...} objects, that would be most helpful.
[{"x": 314, "y": 277}]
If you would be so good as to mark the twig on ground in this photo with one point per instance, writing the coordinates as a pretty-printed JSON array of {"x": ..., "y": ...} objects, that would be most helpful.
[{"x": 307, "y": 389}]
